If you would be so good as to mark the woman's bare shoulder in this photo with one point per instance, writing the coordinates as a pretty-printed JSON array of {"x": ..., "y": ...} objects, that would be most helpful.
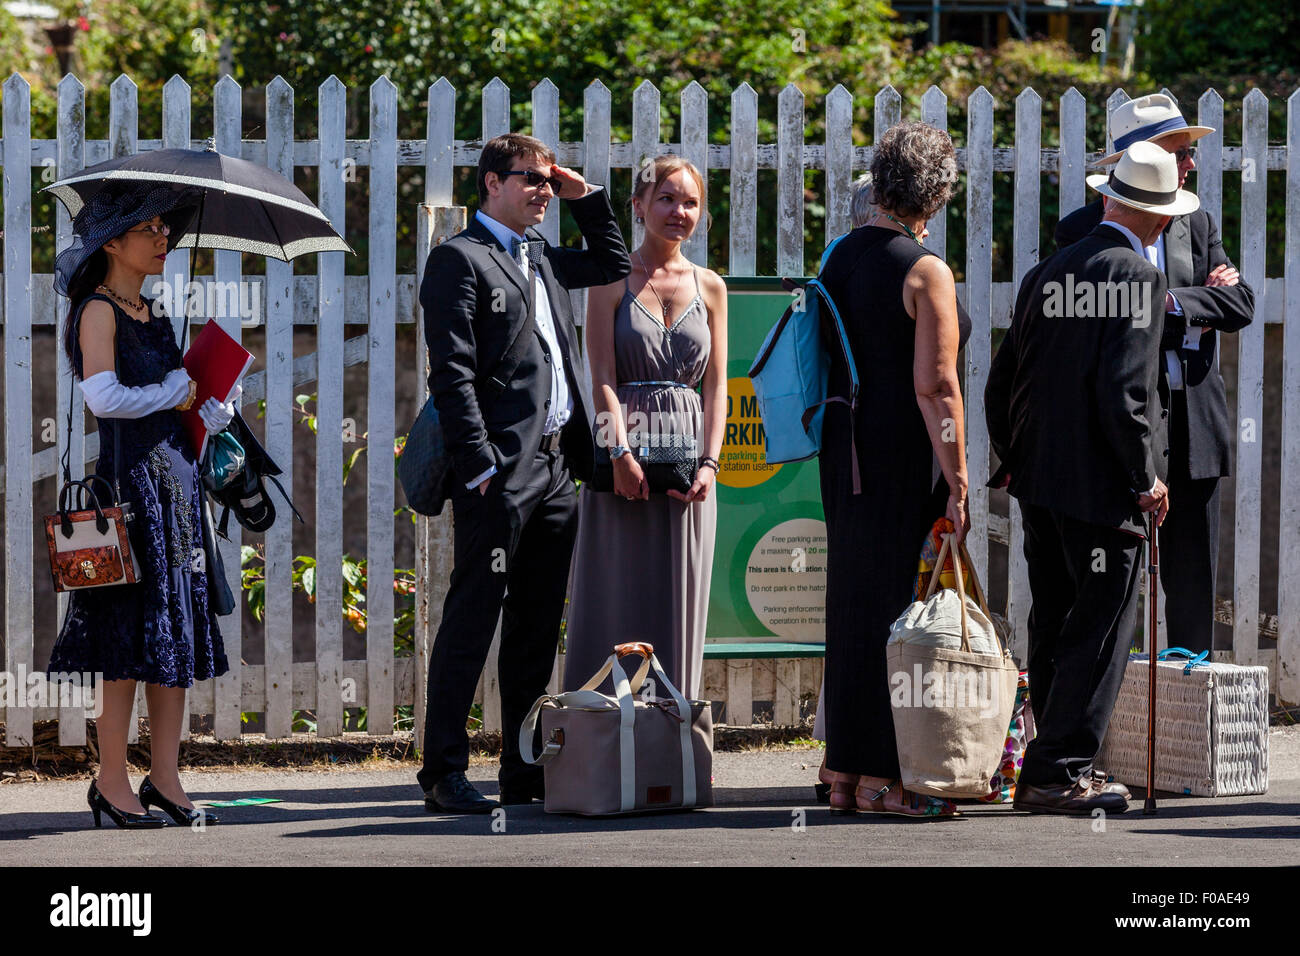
[
  {"x": 712, "y": 286},
  {"x": 97, "y": 317}
]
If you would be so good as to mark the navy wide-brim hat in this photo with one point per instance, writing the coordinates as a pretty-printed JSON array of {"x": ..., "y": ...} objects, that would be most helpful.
[{"x": 113, "y": 210}]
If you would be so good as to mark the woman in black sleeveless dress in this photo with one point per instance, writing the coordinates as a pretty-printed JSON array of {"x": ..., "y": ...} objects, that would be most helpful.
[
  {"x": 905, "y": 328},
  {"x": 159, "y": 630}
]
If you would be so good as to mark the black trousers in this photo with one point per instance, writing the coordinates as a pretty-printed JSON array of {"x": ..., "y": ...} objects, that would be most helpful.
[
  {"x": 512, "y": 555},
  {"x": 1189, "y": 543},
  {"x": 1083, "y": 581}
]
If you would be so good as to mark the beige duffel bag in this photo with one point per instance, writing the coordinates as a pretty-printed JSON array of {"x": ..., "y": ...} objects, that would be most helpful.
[
  {"x": 607, "y": 755},
  {"x": 952, "y": 686}
]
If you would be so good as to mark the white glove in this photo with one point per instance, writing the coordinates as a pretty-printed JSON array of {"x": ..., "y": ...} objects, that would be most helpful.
[
  {"x": 106, "y": 397},
  {"x": 216, "y": 416}
]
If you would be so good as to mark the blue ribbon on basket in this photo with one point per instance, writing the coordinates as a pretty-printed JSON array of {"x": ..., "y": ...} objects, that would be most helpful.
[{"x": 1182, "y": 653}]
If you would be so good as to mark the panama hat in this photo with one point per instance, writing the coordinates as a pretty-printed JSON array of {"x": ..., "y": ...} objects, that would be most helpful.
[
  {"x": 1146, "y": 178},
  {"x": 1148, "y": 118}
]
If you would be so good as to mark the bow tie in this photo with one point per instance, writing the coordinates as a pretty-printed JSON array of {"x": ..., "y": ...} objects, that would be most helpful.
[{"x": 533, "y": 250}]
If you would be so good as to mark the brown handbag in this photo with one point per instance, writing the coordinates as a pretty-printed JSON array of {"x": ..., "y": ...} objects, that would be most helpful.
[{"x": 89, "y": 546}]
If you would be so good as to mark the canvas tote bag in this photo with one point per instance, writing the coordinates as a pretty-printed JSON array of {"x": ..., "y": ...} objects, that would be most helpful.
[
  {"x": 952, "y": 686},
  {"x": 608, "y": 755}
]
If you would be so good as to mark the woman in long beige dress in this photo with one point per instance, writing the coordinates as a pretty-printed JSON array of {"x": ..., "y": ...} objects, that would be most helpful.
[{"x": 643, "y": 561}]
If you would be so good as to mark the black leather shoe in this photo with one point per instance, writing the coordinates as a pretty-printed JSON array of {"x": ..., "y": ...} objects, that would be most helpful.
[
  {"x": 127, "y": 821},
  {"x": 455, "y": 794},
  {"x": 151, "y": 796},
  {"x": 1076, "y": 799},
  {"x": 522, "y": 793},
  {"x": 1100, "y": 785}
]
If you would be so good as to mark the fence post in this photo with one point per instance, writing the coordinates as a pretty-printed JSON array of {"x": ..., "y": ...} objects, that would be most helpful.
[
  {"x": 227, "y": 108},
  {"x": 1250, "y": 383},
  {"x": 1288, "y": 549},
  {"x": 19, "y": 576},
  {"x": 1025, "y": 227},
  {"x": 839, "y": 163},
  {"x": 380, "y": 402},
  {"x": 278, "y": 617},
  {"x": 436, "y": 220},
  {"x": 743, "y": 240},
  {"x": 979, "y": 304},
  {"x": 789, "y": 181},
  {"x": 71, "y": 160},
  {"x": 332, "y": 123}
]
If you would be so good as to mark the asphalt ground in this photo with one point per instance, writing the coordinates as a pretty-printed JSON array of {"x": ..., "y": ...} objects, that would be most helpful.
[{"x": 765, "y": 816}]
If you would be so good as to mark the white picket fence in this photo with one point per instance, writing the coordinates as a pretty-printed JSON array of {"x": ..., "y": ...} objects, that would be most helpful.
[{"x": 382, "y": 299}]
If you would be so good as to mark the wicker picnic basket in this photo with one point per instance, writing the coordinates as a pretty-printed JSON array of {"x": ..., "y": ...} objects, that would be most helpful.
[{"x": 1211, "y": 727}]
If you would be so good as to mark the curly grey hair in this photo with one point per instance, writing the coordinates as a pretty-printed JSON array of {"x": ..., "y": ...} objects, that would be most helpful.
[{"x": 914, "y": 170}]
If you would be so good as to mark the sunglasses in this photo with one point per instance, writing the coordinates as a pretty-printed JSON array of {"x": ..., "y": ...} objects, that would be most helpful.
[
  {"x": 1184, "y": 154},
  {"x": 156, "y": 230},
  {"x": 535, "y": 179}
]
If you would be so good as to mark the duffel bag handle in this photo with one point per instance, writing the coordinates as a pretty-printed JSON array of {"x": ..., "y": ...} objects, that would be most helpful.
[
  {"x": 551, "y": 748},
  {"x": 622, "y": 650},
  {"x": 627, "y": 747}
]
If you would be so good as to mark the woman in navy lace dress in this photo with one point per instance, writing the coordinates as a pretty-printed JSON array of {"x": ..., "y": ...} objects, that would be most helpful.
[{"x": 161, "y": 629}]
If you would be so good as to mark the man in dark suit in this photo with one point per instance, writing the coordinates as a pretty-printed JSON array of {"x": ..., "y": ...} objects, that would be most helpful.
[
  {"x": 1206, "y": 296},
  {"x": 504, "y": 376},
  {"x": 1075, "y": 418}
]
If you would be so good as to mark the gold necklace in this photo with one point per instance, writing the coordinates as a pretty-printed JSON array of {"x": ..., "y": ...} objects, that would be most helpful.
[{"x": 133, "y": 305}]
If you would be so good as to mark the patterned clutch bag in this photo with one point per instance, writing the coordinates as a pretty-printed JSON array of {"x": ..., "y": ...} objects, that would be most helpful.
[
  {"x": 89, "y": 547},
  {"x": 670, "y": 462}
]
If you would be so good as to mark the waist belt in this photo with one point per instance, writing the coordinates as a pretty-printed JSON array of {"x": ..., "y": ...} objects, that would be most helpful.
[
  {"x": 550, "y": 443},
  {"x": 657, "y": 385}
]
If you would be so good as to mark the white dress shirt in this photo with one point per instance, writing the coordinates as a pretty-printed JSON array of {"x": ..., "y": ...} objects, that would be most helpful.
[{"x": 560, "y": 407}]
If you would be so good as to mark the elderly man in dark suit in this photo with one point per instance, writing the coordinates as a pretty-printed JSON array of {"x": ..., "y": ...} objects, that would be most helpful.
[
  {"x": 504, "y": 376},
  {"x": 1206, "y": 296},
  {"x": 1075, "y": 418}
]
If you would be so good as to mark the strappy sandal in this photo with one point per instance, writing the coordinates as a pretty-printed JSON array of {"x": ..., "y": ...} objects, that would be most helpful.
[
  {"x": 870, "y": 800},
  {"x": 843, "y": 796}
]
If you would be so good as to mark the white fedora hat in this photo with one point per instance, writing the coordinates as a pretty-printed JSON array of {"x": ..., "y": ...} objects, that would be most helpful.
[
  {"x": 1148, "y": 118},
  {"x": 1146, "y": 178}
]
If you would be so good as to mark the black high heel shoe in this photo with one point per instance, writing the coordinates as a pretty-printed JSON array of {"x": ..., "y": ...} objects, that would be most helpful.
[
  {"x": 127, "y": 821},
  {"x": 150, "y": 796}
]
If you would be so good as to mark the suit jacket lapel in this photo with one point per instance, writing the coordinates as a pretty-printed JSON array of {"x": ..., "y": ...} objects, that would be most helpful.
[
  {"x": 499, "y": 255},
  {"x": 1178, "y": 253}
]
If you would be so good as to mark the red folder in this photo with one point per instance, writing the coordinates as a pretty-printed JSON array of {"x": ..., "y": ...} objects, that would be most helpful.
[{"x": 216, "y": 362}]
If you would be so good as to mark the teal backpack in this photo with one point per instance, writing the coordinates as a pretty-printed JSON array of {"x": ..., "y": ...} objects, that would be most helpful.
[{"x": 791, "y": 376}]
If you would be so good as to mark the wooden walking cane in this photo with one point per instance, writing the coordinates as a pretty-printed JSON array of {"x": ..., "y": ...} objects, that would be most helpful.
[{"x": 1153, "y": 573}]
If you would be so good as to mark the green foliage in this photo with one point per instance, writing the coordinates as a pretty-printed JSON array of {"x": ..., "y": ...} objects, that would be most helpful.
[{"x": 1220, "y": 37}]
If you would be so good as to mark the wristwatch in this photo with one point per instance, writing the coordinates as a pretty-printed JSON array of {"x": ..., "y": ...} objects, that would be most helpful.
[{"x": 618, "y": 451}]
